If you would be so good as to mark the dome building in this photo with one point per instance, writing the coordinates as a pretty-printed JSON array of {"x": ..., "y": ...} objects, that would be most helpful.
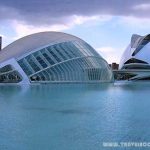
[
  {"x": 136, "y": 58},
  {"x": 52, "y": 57}
]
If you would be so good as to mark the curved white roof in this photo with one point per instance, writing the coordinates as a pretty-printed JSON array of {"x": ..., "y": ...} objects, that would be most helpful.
[
  {"x": 139, "y": 48},
  {"x": 32, "y": 42}
]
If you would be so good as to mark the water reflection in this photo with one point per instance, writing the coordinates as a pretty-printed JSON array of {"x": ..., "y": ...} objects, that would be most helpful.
[
  {"x": 75, "y": 116},
  {"x": 9, "y": 90},
  {"x": 133, "y": 85}
]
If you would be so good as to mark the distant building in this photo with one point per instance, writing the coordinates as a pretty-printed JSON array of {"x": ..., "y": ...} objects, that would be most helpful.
[
  {"x": 114, "y": 66},
  {"x": 52, "y": 57}
]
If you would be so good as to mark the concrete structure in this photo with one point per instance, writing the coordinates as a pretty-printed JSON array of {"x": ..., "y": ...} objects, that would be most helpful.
[
  {"x": 135, "y": 60},
  {"x": 52, "y": 57}
]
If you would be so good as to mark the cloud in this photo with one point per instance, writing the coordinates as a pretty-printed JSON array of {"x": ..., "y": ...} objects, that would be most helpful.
[
  {"x": 3, "y": 36},
  {"x": 49, "y": 12},
  {"x": 142, "y": 7},
  {"x": 21, "y": 28},
  {"x": 32, "y": 16},
  {"x": 135, "y": 22},
  {"x": 110, "y": 53}
]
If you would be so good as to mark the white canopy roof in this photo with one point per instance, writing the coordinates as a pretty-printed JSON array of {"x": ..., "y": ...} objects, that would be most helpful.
[{"x": 32, "y": 42}]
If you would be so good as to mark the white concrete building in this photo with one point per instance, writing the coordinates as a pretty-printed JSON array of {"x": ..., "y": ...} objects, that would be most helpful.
[
  {"x": 52, "y": 57},
  {"x": 136, "y": 58}
]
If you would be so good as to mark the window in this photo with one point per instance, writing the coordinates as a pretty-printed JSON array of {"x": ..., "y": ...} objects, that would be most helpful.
[
  {"x": 32, "y": 63},
  {"x": 48, "y": 59},
  {"x": 133, "y": 60},
  {"x": 53, "y": 54},
  {"x": 41, "y": 61},
  {"x": 10, "y": 77}
]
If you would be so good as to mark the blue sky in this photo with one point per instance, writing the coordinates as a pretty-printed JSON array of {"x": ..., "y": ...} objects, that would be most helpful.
[{"x": 106, "y": 25}]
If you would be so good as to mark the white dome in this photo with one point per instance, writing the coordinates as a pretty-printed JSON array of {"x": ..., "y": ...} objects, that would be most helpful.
[
  {"x": 32, "y": 42},
  {"x": 52, "y": 57}
]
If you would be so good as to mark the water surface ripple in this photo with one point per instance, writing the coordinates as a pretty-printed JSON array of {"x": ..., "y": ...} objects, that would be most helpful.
[{"x": 73, "y": 117}]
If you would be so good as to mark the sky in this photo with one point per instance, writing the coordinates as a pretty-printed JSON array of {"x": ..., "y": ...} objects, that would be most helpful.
[{"x": 107, "y": 25}]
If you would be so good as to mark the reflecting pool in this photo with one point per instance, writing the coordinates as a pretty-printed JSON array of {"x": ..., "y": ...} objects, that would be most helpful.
[{"x": 73, "y": 117}]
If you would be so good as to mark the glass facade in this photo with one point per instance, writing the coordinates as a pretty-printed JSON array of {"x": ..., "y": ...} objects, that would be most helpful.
[
  {"x": 72, "y": 61},
  {"x": 9, "y": 75}
]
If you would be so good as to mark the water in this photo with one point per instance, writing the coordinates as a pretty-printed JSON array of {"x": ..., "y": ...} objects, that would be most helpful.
[{"x": 73, "y": 117}]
